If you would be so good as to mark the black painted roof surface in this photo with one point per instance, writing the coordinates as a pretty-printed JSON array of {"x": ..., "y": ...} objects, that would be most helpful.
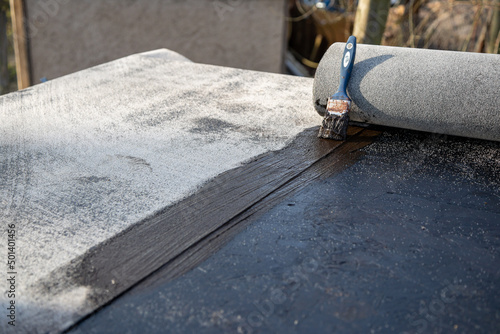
[{"x": 406, "y": 240}]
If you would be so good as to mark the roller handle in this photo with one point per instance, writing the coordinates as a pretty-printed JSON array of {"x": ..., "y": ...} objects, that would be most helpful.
[{"x": 347, "y": 64}]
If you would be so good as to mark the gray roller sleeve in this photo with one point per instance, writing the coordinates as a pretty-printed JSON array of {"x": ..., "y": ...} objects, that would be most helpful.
[{"x": 447, "y": 92}]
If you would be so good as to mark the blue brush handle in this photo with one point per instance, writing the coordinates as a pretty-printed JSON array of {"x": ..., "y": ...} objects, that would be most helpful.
[{"x": 347, "y": 64}]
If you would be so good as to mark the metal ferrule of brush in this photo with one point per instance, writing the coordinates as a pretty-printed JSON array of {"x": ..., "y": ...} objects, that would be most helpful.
[{"x": 338, "y": 107}]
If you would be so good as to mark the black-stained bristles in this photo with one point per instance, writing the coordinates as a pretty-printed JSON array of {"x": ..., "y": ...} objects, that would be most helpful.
[{"x": 334, "y": 126}]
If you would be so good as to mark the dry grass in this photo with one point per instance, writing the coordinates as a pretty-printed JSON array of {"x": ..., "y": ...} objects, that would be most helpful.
[{"x": 437, "y": 24}]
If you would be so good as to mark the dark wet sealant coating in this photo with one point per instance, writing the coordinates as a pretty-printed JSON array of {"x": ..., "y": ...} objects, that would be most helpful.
[{"x": 404, "y": 241}]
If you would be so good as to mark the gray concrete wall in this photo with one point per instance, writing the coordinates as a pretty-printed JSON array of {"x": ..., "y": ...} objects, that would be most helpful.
[{"x": 71, "y": 35}]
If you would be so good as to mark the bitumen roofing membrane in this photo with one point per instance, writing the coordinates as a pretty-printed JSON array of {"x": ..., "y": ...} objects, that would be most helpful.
[
  {"x": 406, "y": 240},
  {"x": 152, "y": 194}
]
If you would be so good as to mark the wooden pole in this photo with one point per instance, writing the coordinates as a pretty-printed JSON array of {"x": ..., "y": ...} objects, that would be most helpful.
[
  {"x": 494, "y": 33},
  {"x": 20, "y": 43},
  {"x": 371, "y": 17}
]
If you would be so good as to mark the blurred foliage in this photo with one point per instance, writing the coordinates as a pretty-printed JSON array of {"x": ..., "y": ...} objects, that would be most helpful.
[
  {"x": 4, "y": 5},
  {"x": 11, "y": 65},
  {"x": 456, "y": 25}
]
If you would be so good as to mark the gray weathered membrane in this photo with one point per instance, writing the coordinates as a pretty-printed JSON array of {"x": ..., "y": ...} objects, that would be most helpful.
[
  {"x": 86, "y": 156},
  {"x": 455, "y": 93}
]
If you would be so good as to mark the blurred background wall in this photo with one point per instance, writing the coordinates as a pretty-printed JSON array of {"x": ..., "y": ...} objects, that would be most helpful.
[
  {"x": 65, "y": 36},
  {"x": 56, "y": 37}
]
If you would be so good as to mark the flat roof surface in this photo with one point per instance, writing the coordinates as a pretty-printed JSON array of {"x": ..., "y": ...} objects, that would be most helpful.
[
  {"x": 89, "y": 155},
  {"x": 406, "y": 240},
  {"x": 153, "y": 194}
]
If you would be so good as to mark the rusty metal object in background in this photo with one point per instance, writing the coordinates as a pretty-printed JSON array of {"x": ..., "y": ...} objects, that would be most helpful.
[{"x": 310, "y": 37}]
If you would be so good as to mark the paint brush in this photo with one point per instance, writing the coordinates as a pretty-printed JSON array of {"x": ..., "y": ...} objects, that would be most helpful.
[{"x": 336, "y": 120}]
